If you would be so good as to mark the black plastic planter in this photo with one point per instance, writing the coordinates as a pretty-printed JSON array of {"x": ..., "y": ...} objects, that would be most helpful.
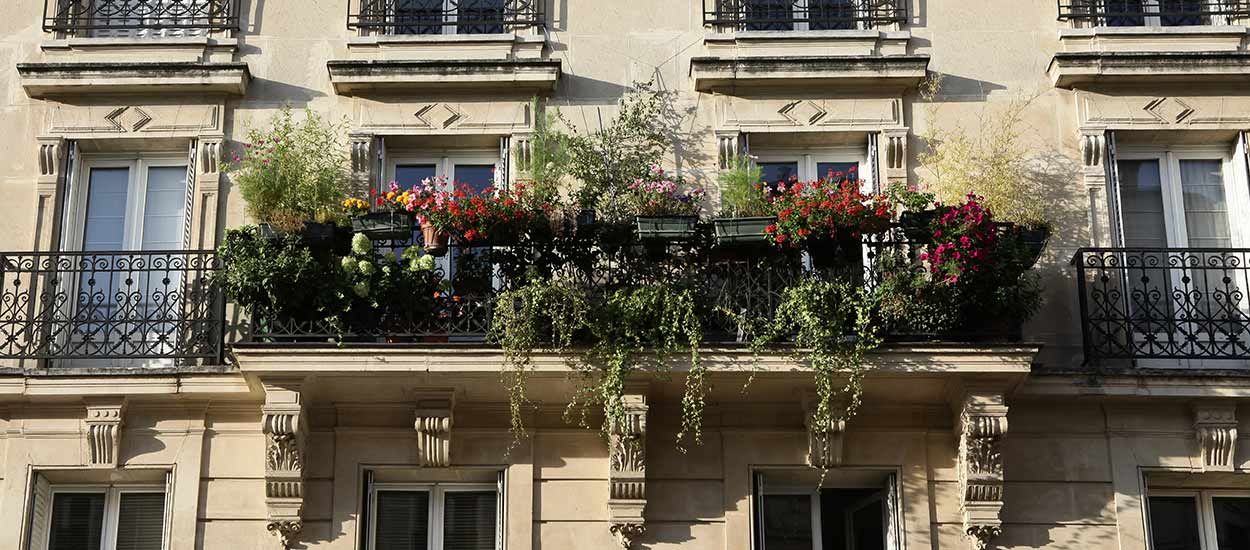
[
  {"x": 666, "y": 228},
  {"x": 917, "y": 225},
  {"x": 742, "y": 231},
  {"x": 384, "y": 226}
]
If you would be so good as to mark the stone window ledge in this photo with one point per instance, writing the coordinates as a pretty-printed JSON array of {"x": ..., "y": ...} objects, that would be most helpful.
[
  {"x": 520, "y": 76},
  {"x": 807, "y": 43},
  {"x": 77, "y": 78},
  {"x": 899, "y": 71},
  {"x": 175, "y": 49},
  {"x": 1161, "y": 39},
  {"x": 445, "y": 46},
  {"x": 1076, "y": 69}
]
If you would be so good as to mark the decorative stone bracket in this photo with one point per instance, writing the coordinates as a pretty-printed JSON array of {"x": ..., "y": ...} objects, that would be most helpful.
[
  {"x": 1093, "y": 142},
  {"x": 894, "y": 143},
  {"x": 209, "y": 151},
  {"x": 285, "y": 428},
  {"x": 433, "y": 424},
  {"x": 824, "y": 440},
  {"x": 1215, "y": 425},
  {"x": 729, "y": 144},
  {"x": 104, "y": 431},
  {"x": 982, "y": 423},
  {"x": 627, "y": 478}
]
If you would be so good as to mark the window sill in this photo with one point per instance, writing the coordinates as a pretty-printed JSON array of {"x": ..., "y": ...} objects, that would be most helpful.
[
  {"x": 1154, "y": 39},
  {"x": 523, "y": 76},
  {"x": 1078, "y": 69},
  {"x": 882, "y": 71},
  {"x": 175, "y": 49},
  {"x": 448, "y": 46},
  {"x": 807, "y": 43}
]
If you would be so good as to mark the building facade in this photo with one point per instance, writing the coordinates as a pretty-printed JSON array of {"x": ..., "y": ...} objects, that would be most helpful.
[{"x": 1113, "y": 425}]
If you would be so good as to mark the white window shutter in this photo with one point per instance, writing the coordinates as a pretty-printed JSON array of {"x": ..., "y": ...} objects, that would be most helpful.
[
  {"x": 503, "y": 177},
  {"x": 501, "y": 513},
  {"x": 68, "y": 205},
  {"x": 40, "y": 512},
  {"x": 188, "y": 210},
  {"x": 169, "y": 507}
]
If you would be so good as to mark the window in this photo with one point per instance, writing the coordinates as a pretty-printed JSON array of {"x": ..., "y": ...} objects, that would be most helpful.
[
  {"x": 98, "y": 517},
  {"x": 799, "y": 15},
  {"x": 135, "y": 203},
  {"x": 150, "y": 18},
  {"x": 1167, "y": 13},
  {"x": 450, "y": 16},
  {"x": 1199, "y": 520},
  {"x": 855, "y": 510},
  {"x": 435, "y": 517},
  {"x": 807, "y": 165}
]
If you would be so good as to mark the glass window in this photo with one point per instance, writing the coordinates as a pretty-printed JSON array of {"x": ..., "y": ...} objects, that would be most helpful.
[
  {"x": 1174, "y": 523},
  {"x": 1125, "y": 13},
  {"x": 831, "y": 14},
  {"x": 794, "y": 516},
  {"x": 1141, "y": 203},
  {"x": 141, "y": 521},
  {"x": 469, "y": 520},
  {"x": 1206, "y": 208},
  {"x": 1232, "y": 522},
  {"x": 418, "y": 17},
  {"x": 788, "y": 522},
  {"x": 107, "y": 196},
  {"x": 488, "y": 16},
  {"x": 403, "y": 520},
  {"x": 156, "y": 192},
  {"x": 769, "y": 15},
  {"x": 77, "y": 521},
  {"x": 837, "y": 172},
  {"x": 103, "y": 519},
  {"x": 408, "y": 175},
  {"x": 777, "y": 172},
  {"x": 436, "y": 518},
  {"x": 1181, "y": 12}
]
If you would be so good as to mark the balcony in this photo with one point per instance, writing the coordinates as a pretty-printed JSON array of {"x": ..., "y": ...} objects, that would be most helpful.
[
  {"x": 1171, "y": 304},
  {"x": 1156, "y": 13},
  {"x": 96, "y": 309},
  {"x": 803, "y": 15},
  {"x": 139, "y": 18},
  {"x": 436, "y": 17}
]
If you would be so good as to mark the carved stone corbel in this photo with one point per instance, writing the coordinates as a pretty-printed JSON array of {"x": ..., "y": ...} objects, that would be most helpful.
[
  {"x": 627, "y": 476},
  {"x": 52, "y": 151},
  {"x": 433, "y": 424},
  {"x": 363, "y": 155},
  {"x": 729, "y": 144},
  {"x": 1215, "y": 425},
  {"x": 209, "y": 150},
  {"x": 982, "y": 423},
  {"x": 285, "y": 428},
  {"x": 104, "y": 431},
  {"x": 522, "y": 153},
  {"x": 824, "y": 439},
  {"x": 894, "y": 143}
]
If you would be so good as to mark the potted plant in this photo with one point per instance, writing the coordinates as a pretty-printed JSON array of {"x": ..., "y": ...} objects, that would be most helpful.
[
  {"x": 293, "y": 175},
  {"x": 665, "y": 208},
  {"x": 1034, "y": 237},
  {"x": 827, "y": 219},
  {"x": 918, "y": 211},
  {"x": 390, "y": 221},
  {"x": 745, "y": 209}
]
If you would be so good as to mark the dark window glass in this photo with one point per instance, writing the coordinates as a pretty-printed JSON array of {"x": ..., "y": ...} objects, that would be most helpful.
[
  {"x": 418, "y": 16},
  {"x": 1124, "y": 13},
  {"x": 769, "y": 15},
  {"x": 486, "y": 16},
  {"x": 788, "y": 522},
  {"x": 77, "y": 521},
  {"x": 777, "y": 172},
  {"x": 141, "y": 521},
  {"x": 831, "y": 14},
  {"x": 408, "y": 175},
  {"x": 837, "y": 172},
  {"x": 1175, "y": 13},
  {"x": 469, "y": 520},
  {"x": 1232, "y": 522},
  {"x": 403, "y": 519},
  {"x": 1174, "y": 523},
  {"x": 476, "y": 176}
]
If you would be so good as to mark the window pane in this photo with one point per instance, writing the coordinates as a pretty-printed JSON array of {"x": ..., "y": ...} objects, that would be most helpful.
[
  {"x": 774, "y": 172},
  {"x": 831, "y": 14},
  {"x": 408, "y": 175},
  {"x": 1174, "y": 523},
  {"x": 163, "y": 208},
  {"x": 1232, "y": 522},
  {"x": 837, "y": 172},
  {"x": 403, "y": 520},
  {"x": 476, "y": 176},
  {"x": 1124, "y": 13},
  {"x": 418, "y": 16},
  {"x": 1206, "y": 210},
  {"x": 1181, "y": 12},
  {"x": 107, "y": 193},
  {"x": 1141, "y": 203},
  {"x": 488, "y": 14},
  {"x": 787, "y": 522},
  {"x": 77, "y": 521},
  {"x": 141, "y": 521},
  {"x": 769, "y": 15},
  {"x": 469, "y": 520}
]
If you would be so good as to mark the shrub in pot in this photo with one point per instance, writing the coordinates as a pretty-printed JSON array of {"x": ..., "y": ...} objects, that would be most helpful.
[
  {"x": 918, "y": 211},
  {"x": 665, "y": 208},
  {"x": 745, "y": 209}
]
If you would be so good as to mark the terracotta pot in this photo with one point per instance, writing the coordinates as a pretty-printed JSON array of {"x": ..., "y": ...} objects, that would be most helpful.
[{"x": 435, "y": 240}]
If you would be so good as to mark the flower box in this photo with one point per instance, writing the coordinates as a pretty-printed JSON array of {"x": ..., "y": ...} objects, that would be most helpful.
[
  {"x": 917, "y": 225},
  {"x": 666, "y": 228},
  {"x": 842, "y": 252},
  {"x": 735, "y": 231},
  {"x": 384, "y": 226}
]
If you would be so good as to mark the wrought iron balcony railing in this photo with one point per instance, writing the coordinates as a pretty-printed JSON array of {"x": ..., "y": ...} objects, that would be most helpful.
[
  {"x": 1164, "y": 303},
  {"x": 139, "y": 17},
  {"x": 404, "y": 17},
  {"x": 132, "y": 308},
  {"x": 795, "y": 15},
  {"x": 1155, "y": 13}
]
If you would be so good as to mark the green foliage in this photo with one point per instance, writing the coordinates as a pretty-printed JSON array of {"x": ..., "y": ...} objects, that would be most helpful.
[
  {"x": 385, "y": 291},
  {"x": 549, "y": 158},
  {"x": 279, "y": 277},
  {"x": 742, "y": 196},
  {"x": 293, "y": 171},
  {"x": 912, "y": 200}
]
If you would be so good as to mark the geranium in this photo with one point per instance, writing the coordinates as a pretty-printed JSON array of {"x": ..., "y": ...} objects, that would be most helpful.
[
  {"x": 394, "y": 199},
  {"x": 825, "y": 209},
  {"x": 964, "y": 239},
  {"x": 661, "y": 195},
  {"x": 467, "y": 214}
]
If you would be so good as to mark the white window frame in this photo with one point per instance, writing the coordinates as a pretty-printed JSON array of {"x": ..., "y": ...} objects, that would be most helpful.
[
  {"x": 809, "y": 158},
  {"x": 112, "y": 510},
  {"x": 890, "y": 491},
  {"x": 434, "y": 530},
  {"x": 1207, "y": 533},
  {"x": 444, "y": 162},
  {"x": 1238, "y": 199},
  {"x": 136, "y": 194}
]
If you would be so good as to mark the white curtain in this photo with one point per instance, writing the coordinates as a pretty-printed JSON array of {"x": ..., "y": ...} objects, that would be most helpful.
[
  {"x": 1206, "y": 205},
  {"x": 1239, "y": 199}
]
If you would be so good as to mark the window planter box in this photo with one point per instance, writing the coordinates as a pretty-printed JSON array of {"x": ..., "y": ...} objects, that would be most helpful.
[
  {"x": 842, "y": 252},
  {"x": 742, "y": 231},
  {"x": 916, "y": 225},
  {"x": 1035, "y": 240},
  {"x": 384, "y": 226},
  {"x": 666, "y": 228}
]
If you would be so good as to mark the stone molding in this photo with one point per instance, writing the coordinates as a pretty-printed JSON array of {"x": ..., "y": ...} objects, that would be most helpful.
[
  {"x": 137, "y": 119},
  {"x": 824, "y": 440},
  {"x": 1138, "y": 111},
  {"x": 711, "y": 73},
  {"x": 1215, "y": 426},
  {"x": 208, "y": 160},
  {"x": 285, "y": 428},
  {"x": 364, "y": 153},
  {"x": 104, "y": 420},
  {"x": 729, "y": 144},
  {"x": 1073, "y": 70},
  {"x": 893, "y": 142},
  {"x": 627, "y": 476},
  {"x": 42, "y": 80},
  {"x": 414, "y": 118},
  {"x": 1093, "y": 145},
  {"x": 433, "y": 425},
  {"x": 52, "y": 152},
  {"x": 757, "y": 115},
  {"x": 516, "y": 76},
  {"x": 982, "y": 423}
]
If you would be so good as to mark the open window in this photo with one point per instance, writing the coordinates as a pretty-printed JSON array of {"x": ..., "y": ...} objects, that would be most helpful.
[
  {"x": 1199, "y": 519},
  {"x": 98, "y": 517},
  {"x": 850, "y": 510},
  {"x": 459, "y": 512}
]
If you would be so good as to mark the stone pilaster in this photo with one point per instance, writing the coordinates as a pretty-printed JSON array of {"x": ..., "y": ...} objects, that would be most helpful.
[
  {"x": 48, "y": 185},
  {"x": 433, "y": 424},
  {"x": 364, "y": 156},
  {"x": 104, "y": 420},
  {"x": 522, "y": 155},
  {"x": 824, "y": 439},
  {"x": 208, "y": 169},
  {"x": 1093, "y": 142},
  {"x": 729, "y": 144},
  {"x": 1215, "y": 425},
  {"x": 627, "y": 477},
  {"x": 285, "y": 428},
  {"x": 893, "y": 145},
  {"x": 982, "y": 423}
]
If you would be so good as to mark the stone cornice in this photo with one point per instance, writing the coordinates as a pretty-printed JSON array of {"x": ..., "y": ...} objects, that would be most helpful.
[
  {"x": 351, "y": 76},
  {"x": 191, "y": 386},
  {"x": 1170, "y": 383},
  {"x": 62, "y": 78},
  {"x": 1077, "y": 69},
  {"x": 714, "y": 73}
]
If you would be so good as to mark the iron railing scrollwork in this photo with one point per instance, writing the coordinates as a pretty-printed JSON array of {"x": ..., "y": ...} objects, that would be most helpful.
[
  {"x": 1165, "y": 13},
  {"x": 139, "y": 17},
  {"x": 1164, "y": 303},
  {"x": 140, "y": 305},
  {"x": 792, "y": 15},
  {"x": 415, "y": 17}
]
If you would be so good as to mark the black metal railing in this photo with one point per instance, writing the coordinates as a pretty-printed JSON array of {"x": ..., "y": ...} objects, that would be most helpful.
[
  {"x": 118, "y": 306},
  {"x": 404, "y": 17},
  {"x": 139, "y": 17},
  {"x": 791, "y": 15},
  {"x": 1164, "y": 303},
  {"x": 1165, "y": 13}
]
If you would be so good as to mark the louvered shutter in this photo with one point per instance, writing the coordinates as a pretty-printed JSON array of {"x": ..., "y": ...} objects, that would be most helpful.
[
  {"x": 403, "y": 520},
  {"x": 469, "y": 520},
  {"x": 1241, "y": 180},
  {"x": 40, "y": 513},
  {"x": 141, "y": 521},
  {"x": 77, "y": 521}
]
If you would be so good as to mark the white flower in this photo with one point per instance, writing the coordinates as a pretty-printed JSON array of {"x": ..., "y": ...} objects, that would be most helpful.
[
  {"x": 426, "y": 263},
  {"x": 361, "y": 289},
  {"x": 365, "y": 268},
  {"x": 361, "y": 244},
  {"x": 349, "y": 264}
]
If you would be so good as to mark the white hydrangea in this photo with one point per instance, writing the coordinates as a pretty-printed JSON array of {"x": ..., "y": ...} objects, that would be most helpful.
[
  {"x": 349, "y": 264},
  {"x": 361, "y": 244},
  {"x": 361, "y": 289},
  {"x": 366, "y": 268}
]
